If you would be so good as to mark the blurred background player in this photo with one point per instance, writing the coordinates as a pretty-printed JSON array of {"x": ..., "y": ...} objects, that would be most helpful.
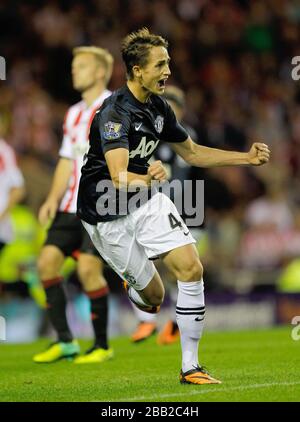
[
  {"x": 12, "y": 191},
  {"x": 91, "y": 72},
  {"x": 178, "y": 169}
]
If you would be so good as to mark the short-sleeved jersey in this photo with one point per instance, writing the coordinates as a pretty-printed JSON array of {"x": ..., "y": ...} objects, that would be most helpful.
[
  {"x": 123, "y": 122},
  {"x": 75, "y": 145},
  {"x": 10, "y": 177}
]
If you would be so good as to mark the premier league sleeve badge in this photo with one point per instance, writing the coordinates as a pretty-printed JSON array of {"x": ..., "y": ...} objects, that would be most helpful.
[{"x": 112, "y": 130}]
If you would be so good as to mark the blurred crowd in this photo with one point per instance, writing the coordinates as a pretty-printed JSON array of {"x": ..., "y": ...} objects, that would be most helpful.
[{"x": 232, "y": 59}]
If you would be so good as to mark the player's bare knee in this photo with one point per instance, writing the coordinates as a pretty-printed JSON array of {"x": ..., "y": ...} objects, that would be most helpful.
[
  {"x": 90, "y": 273},
  {"x": 154, "y": 296},
  {"x": 46, "y": 266},
  {"x": 157, "y": 299},
  {"x": 86, "y": 273},
  {"x": 49, "y": 262}
]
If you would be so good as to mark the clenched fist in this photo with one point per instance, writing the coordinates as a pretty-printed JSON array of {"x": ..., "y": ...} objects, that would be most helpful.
[
  {"x": 259, "y": 154},
  {"x": 157, "y": 171},
  {"x": 47, "y": 211}
]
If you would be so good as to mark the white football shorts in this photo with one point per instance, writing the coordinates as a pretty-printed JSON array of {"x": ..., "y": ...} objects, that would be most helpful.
[{"x": 129, "y": 243}]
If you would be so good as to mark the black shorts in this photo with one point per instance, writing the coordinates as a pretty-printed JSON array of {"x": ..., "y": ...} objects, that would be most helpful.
[
  {"x": 68, "y": 234},
  {"x": 1, "y": 245}
]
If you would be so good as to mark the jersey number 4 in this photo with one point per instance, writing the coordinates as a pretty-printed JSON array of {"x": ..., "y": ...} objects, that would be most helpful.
[{"x": 176, "y": 223}]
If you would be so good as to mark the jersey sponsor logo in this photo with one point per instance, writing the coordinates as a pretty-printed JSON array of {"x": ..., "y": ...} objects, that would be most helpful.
[
  {"x": 159, "y": 124},
  {"x": 144, "y": 148},
  {"x": 137, "y": 126},
  {"x": 112, "y": 130}
]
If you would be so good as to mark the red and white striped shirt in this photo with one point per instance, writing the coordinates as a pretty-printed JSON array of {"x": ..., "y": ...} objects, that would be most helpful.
[
  {"x": 10, "y": 177},
  {"x": 75, "y": 144}
]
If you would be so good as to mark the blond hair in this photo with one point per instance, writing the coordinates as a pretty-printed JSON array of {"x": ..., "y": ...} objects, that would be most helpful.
[{"x": 101, "y": 54}]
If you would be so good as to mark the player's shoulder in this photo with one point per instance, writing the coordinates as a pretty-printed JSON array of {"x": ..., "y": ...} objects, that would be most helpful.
[
  {"x": 160, "y": 103},
  {"x": 115, "y": 104},
  {"x": 72, "y": 112}
]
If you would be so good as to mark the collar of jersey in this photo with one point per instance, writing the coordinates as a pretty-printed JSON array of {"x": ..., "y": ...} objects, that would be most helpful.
[{"x": 135, "y": 101}]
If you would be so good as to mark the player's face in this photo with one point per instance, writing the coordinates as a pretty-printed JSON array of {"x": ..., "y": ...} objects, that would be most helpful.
[
  {"x": 86, "y": 71},
  {"x": 156, "y": 72}
]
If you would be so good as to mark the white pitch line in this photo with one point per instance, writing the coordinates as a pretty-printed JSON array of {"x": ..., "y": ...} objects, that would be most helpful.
[{"x": 206, "y": 391}]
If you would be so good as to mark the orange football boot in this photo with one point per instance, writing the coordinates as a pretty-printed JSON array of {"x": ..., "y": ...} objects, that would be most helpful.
[
  {"x": 198, "y": 375},
  {"x": 143, "y": 331},
  {"x": 169, "y": 334}
]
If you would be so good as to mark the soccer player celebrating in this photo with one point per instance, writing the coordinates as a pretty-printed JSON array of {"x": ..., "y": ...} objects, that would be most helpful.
[
  {"x": 91, "y": 72},
  {"x": 124, "y": 134}
]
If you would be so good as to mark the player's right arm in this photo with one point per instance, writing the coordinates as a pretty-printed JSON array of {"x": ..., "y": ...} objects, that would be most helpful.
[
  {"x": 58, "y": 188},
  {"x": 114, "y": 127},
  {"x": 61, "y": 178},
  {"x": 117, "y": 161}
]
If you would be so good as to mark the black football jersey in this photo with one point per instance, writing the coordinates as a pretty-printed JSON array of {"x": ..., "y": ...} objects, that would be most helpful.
[{"x": 123, "y": 122}]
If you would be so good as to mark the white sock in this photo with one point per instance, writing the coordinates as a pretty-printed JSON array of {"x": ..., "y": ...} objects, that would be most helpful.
[
  {"x": 143, "y": 316},
  {"x": 190, "y": 312}
]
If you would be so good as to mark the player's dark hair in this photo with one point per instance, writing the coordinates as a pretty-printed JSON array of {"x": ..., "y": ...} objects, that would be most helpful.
[{"x": 136, "y": 47}]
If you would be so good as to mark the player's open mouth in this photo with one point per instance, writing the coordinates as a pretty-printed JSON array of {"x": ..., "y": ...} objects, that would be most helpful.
[{"x": 162, "y": 83}]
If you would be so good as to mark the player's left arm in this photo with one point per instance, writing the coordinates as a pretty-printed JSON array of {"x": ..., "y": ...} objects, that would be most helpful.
[{"x": 201, "y": 156}]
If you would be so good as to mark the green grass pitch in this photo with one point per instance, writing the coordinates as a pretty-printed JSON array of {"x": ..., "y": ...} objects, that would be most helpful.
[{"x": 261, "y": 365}]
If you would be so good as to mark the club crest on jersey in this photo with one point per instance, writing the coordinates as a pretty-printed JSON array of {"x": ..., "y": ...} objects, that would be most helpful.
[
  {"x": 112, "y": 130},
  {"x": 159, "y": 124},
  {"x": 129, "y": 278}
]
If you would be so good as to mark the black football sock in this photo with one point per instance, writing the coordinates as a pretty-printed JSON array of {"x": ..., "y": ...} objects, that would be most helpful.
[
  {"x": 56, "y": 308},
  {"x": 99, "y": 315}
]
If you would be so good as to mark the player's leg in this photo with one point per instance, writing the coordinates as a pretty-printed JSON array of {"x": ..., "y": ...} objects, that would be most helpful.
[
  {"x": 170, "y": 331},
  {"x": 162, "y": 232},
  {"x": 150, "y": 296},
  {"x": 90, "y": 272},
  {"x": 49, "y": 265},
  {"x": 116, "y": 242},
  {"x": 185, "y": 264},
  {"x": 59, "y": 243}
]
